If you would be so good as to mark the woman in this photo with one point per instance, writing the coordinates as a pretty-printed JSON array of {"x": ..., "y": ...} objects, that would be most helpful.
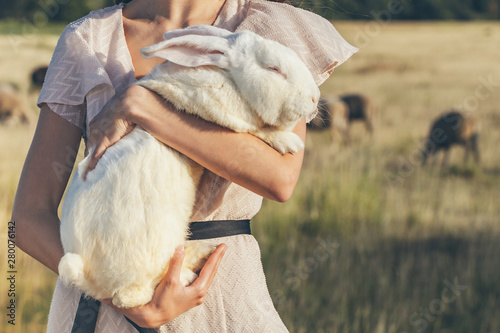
[{"x": 89, "y": 92}]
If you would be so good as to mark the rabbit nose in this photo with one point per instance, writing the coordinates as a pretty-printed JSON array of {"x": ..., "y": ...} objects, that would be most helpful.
[{"x": 315, "y": 100}]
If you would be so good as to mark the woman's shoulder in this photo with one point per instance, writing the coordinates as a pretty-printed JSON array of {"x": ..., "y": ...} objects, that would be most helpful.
[
  {"x": 283, "y": 11},
  {"x": 83, "y": 59},
  {"x": 95, "y": 22}
]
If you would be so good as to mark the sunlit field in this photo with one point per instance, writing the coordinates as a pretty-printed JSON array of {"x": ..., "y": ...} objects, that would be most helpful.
[{"x": 370, "y": 241}]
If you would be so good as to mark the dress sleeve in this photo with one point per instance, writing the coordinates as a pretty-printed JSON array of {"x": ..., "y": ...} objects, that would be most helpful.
[
  {"x": 312, "y": 37},
  {"x": 74, "y": 71}
]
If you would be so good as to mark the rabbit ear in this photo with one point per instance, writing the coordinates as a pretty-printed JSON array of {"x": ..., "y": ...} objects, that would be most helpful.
[
  {"x": 191, "y": 51},
  {"x": 200, "y": 30}
]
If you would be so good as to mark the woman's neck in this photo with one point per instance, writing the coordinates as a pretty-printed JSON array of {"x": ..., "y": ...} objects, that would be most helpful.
[
  {"x": 145, "y": 21},
  {"x": 174, "y": 14}
]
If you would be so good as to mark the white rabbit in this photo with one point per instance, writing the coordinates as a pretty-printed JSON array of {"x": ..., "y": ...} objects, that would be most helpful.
[
  {"x": 121, "y": 225},
  {"x": 243, "y": 82}
]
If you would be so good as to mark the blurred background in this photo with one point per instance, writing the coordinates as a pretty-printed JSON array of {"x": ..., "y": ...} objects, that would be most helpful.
[{"x": 373, "y": 239}]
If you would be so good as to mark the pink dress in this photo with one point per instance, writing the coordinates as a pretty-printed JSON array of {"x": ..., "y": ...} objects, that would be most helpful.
[{"x": 92, "y": 62}]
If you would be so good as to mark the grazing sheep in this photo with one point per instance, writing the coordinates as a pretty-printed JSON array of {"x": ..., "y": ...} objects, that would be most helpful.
[
  {"x": 452, "y": 128},
  {"x": 337, "y": 113},
  {"x": 13, "y": 109},
  {"x": 360, "y": 107},
  {"x": 37, "y": 78},
  {"x": 9, "y": 87},
  {"x": 340, "y": 120},
  {"x": 332, "y": 114}
]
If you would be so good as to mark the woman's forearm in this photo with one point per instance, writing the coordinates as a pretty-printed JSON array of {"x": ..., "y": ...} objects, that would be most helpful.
[
  {"x": 238, "y": 157},
  {"x": 37, "y": 234}
]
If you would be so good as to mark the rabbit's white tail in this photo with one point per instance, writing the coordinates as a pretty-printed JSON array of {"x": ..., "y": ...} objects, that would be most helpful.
[{"x": 71, "y": 270}]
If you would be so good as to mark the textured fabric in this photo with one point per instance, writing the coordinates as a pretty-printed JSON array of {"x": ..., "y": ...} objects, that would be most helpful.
[{"x": 91, "y": 63}]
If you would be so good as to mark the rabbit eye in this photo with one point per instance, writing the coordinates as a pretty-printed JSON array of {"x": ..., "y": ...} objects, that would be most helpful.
[{"x": 276, "y": 70}]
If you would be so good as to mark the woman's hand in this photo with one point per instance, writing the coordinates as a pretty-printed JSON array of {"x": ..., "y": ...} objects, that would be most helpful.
[
  {"x": 171, "y": 298},
  {"x": 115, "y": 120}
]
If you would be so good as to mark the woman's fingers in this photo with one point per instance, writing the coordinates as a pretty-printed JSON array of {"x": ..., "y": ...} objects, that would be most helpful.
[
  {"x": 174, "y": 267},
  {"x": 96, "y": 154},
  {"x": 209, "y": 270},
  {"x": 104, "y": 134},
  {"x": 115, "y": 119}
]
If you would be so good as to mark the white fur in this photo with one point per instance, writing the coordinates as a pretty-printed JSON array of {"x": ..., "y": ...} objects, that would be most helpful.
[{"x": 121, "y": 225}]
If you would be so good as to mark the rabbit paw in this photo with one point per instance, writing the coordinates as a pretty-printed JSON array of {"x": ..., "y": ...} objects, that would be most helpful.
[
  {"x": 134, "y": 295},
  {"x": 197, "y": 253},
  {"x": 187, "y": 276},
  {"x": 283, "y": 141}
]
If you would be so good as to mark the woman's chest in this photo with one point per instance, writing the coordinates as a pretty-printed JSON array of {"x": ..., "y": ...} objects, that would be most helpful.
[{"x": 137, "y": 40}]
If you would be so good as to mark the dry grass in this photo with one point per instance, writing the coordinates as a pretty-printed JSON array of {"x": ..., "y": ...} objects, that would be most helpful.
[{"x": 370, "y": 241}]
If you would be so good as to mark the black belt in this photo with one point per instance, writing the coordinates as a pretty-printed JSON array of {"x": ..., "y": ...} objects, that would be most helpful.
[
  {"x": 216, "y": 229},
  {"x": 88, "y": 308}
]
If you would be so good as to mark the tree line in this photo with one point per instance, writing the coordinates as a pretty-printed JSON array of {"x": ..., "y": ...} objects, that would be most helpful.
[
  {"x": 69, "y": 10},
  {"x": 404, "y": 9},
  {"x": 38, "y": 12}
]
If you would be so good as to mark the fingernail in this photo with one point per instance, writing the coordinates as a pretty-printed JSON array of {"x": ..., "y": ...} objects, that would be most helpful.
[{"x": 179, "y": 249}]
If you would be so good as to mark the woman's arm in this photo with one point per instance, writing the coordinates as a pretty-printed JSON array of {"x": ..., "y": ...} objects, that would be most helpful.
[
  {"x": 43, "y": 180},
  {"x": 238, "y": 157}
]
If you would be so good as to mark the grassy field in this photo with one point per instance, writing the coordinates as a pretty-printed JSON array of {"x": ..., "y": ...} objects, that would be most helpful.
[{"x": 370, "y": 241}]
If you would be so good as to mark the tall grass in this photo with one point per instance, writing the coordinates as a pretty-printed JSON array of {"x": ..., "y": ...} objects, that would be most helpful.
[
  {"x": 370, "y": 241},
  {"x": 352, "y": 253}
]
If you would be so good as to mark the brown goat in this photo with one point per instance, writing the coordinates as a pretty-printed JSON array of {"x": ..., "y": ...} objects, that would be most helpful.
[
  {"x": 452, "y": 128},
  {"x": 13, "y": 109},
  {"x": 338, "y": 113}
]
